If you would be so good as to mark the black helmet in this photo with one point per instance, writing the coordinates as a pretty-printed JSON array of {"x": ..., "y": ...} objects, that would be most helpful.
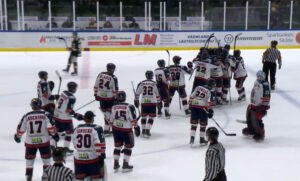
[
  {"x": 149, "y": 74},
  {"x": 211, "y": 83},
  {"x": 51, "y": 85},
  {"x": 274, "y": 43},
  {"x": 110, "y": 67},
  {"x": 161, "y": 63},
  {"x": 227, "y": 47},
  {"x": 121, "y": 96},
  {"x": 204, "y": 55},
  {"x": 212, "y": 134},
  {"x": 72, "y": 86},
  {"x": 58, "y": 154},
  {"x": 35, "y": 104},
  {"x": 176, "y": 59},
  {"x": 89, "y": 115},
  {"x": 43, "y": 74},
  {"x": 237, "y": 53}
]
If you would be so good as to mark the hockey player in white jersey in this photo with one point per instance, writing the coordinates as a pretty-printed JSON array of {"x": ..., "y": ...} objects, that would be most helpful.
[
  {"x": 177, "y": 81},
  {"x": 217, "y": 75},
  {"x": 105, "y": 91},
  {"x": 64, "y": 112},
  {"x": 240, "y": 75},
  {"x": 162, "y": 81},
  {"x": 227, "y": 64},
  {"x": 199, "y": 107},
  {"x": 89, "y": 143},
  {"x": 149, "y": 99},
  {"x": 257, "y": 109},
  {"x": 39, "y": 129},
  {"x": 123, "y": 118}
]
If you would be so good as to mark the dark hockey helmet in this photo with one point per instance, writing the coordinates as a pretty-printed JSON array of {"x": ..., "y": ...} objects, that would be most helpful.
[
  {"x": 176, "y": 59},
  {"x": 227, "y": 47},
  {"x": 237, "y": 53},
  {"x": 110, "y": 67},
  {"x": 212, "y": 134},
  {"x": 274, "y": 43},
  {"x": 121, "y": 96},
  {"x": 58, "y": 154},
  {"x": 43, "y": 74},
  {"x": 205, "y": 55},
  {"x": 72, "y": 86},
  {"x": 149, "y": 74},
  {"x": 211, "y": 83},
  {"x": 35, "y": 104},
  {"x": 161, "y": 63},
  {"x": 89, "y": 115}
]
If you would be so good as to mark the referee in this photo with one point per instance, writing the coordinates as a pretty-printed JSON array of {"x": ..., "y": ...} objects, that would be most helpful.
[
  {"x": 215, "y": 157},
  {"x": 269, "y": 62},
  {"x": 58, "y": 172}
]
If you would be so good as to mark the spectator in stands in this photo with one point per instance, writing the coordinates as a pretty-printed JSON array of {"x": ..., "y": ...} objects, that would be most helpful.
[
  {"x": 67, "y": 24},
  {"x": 92, "y": 24},
  {"x": 275, "y": 22},
  {"x": 134, "y": 25},
  {"x": 107, "y": 24},
  {"x": 53, "y": 24}
]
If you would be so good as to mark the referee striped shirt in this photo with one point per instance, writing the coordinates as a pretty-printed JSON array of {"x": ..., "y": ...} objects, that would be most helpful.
[
  {"x": 271, "y": 55},
  {"x": 214, "y": 161},
  {"x": 58, "y": 172}
]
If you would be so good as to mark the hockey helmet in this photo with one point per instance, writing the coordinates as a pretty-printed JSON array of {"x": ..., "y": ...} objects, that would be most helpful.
[
  {"x": 121, "y": 96},
  {"x": 260, "y": 75},
  {"x": 72, "y": 86},
  {"x": 110, "y": 67},
  {"x": 43, "y": 75},
  {"x": 212, "y": 134},
  {"x": 204, "y": 55},
  {"x": 237, "y": 53},
  {"x": 35, "y": 104},
  {"x": 227, "y": 47},
  {"x": 176, "y": 59},
  {"x": 89, "y": 115},
  {"x": 58, "y": 154},
  {"x": 149, "y": 74},
  {"x": 161, "y": 63}
]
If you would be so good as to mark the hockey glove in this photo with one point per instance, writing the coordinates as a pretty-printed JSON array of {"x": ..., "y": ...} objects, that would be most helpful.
[
  {"x": 56, "y": 137},
  {"x": 190, "y": 64},
  {"x": 51, "y": 85},
  {"x": 56, "y": 96},
  {"x": 51, "y": 98},
  {"x": 137, "y": 103},
  {"x": 78, "y": 116},
  {"x": 210, "y": 113},
  {"x": 137, "y": 131},
  {"x": 17, "y": 139}
]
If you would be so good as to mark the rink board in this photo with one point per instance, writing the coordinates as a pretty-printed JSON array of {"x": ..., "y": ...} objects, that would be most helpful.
[{"x": 127, "y": 41}]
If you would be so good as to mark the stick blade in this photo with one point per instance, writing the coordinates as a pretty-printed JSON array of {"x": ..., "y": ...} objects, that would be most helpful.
[{"x": 230, "y": 134}]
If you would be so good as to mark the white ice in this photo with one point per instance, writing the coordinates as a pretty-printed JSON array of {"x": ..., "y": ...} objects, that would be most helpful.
[{"x": 166, "y": 156}]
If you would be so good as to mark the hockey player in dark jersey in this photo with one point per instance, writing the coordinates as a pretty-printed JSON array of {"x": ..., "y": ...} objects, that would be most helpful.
[
  {"x": 75, "y": 52},
  {"x": 105, "y": 90},
  {"x": 122, "y": 119},
  {"x": 162, "y": 81},
  {"x": 64, "y": 112},
  {"x": 177, "y": 81},
  {"x": 39, "y": 128},
  {"x": 257, "y": 109}
]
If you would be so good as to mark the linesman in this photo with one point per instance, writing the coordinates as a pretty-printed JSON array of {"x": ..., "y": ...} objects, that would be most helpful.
[
  {"x": 269, "y": 63},
  {"x": 215, "y": 157}
]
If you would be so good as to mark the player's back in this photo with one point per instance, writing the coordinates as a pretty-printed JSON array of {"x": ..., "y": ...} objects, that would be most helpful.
[
  {"x": 43, "y": 91},
  {"x": 105, "y": 86},
  {"x": 203, "y": 69},
  {"x": 148, "y": 90},
  {"x": 65, "y": 105},
  {"x": 86, "y": 140},
  {"x": 200, "y": 97},
  {"x": 161, "y": 75},
  {"x": 177, "y": 77},
  {"x": 122, "y": 116},
  {"x": 240, "y": 70}
]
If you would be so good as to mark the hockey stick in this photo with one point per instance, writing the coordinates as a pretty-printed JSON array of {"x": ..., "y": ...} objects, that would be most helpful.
[
  {"x": 85, "y": 105},
  {"x": 235, "y": 38},
  {"x": 134, "y": 95},
  {"x": 61, "y": 38},
  {"x": 218, "y": 41},
  {"x": 207, "y": 41},
  {"x": 241, "y": 121},
  {"x": 168, "y": 57},
  {"x": 60, "y": 79}
]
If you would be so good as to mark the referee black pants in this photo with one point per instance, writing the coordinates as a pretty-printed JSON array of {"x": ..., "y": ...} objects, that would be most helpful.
[
  {"x": 221, "y": 176},
  {"x": 270, "y": 67}
]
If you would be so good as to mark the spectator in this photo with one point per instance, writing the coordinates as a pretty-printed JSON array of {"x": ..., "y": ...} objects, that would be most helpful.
[
  {"x": 53, "y": 24},
  {"x": 134, "y": 25},
  {"x": 67, "y": 24},
  {"x": 107, "y": 24},
  {"x": 92, "y": 24}
]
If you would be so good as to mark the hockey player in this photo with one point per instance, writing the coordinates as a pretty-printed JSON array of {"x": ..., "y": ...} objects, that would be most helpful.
[
  {"x": 227, "y": 63},
  {"x": 88, "y": 140},
  {"x": 240, "y": 75},
  {"x": 123, "y": 118},
  {"x": 75, "y": 52},
  {"x": 217, "y": 75},
  {"x": 199, "y": 108},
  {"x": 149, "y": 99},
  {"x": 38, "y": 129},
  {"x": 260, "y": 100},
  {"x": 105, "y": 90},
  {"x": 44, "y": 91},
  {"x": 177, "y": 81},
  {"x": 64, "y": 112},
  {"x": 162, "y": 78}
]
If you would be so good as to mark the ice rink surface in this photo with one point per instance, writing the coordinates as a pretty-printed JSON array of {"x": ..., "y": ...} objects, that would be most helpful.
[{"x": 166, "y": 156}]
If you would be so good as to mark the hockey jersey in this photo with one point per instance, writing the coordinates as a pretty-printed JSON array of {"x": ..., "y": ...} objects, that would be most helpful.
[
  {"x": 162, "y": 76},
  {"x": 64, "y": 108},
  {"x": 260, "y": 94},
  {"x": 38, "y": 128},
  {"x": 106, "y": 86},
  {"x": 239, "y": 68},
  {"x": 217, "y": 72},
  {"x": 123, "y": 117},
  {"x": 76, "y": 47},
  {"x": 200, "y": 97},
  {"x": 203, "y": 69},
  {"x": 148, "y": 91},
  {"x": 44, "y": 92},
  {"x": 177, "y": 78},
  {"x": 89, "y": 142}
]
